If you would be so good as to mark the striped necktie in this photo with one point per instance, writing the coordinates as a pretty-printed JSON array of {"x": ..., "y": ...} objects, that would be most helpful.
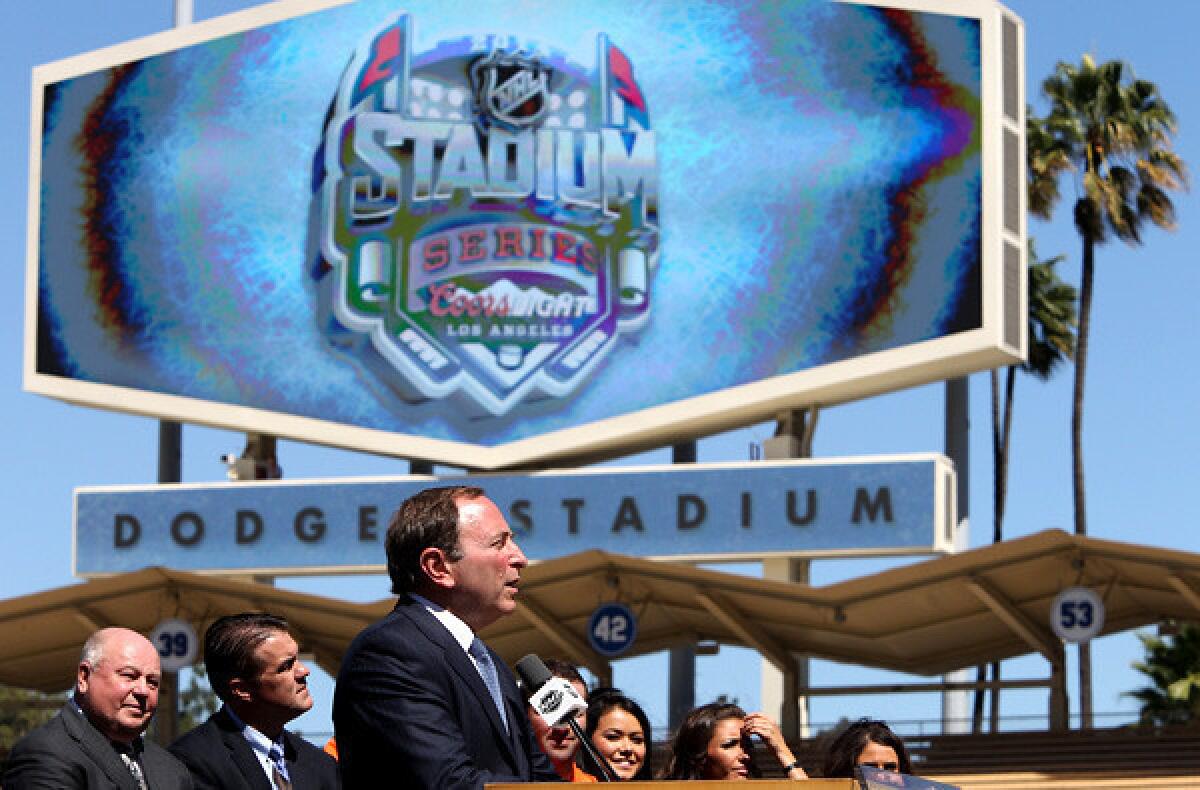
[
  {"x": 134, "y": 766},
  {"x": 279, "y": 771}
]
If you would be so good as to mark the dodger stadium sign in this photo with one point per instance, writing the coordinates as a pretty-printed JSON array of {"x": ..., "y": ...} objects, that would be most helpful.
[{"x": 873, "y": 506}]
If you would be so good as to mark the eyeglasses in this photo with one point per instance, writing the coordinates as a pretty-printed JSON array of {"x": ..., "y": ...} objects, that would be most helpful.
[{"x": 883, "y": 766}]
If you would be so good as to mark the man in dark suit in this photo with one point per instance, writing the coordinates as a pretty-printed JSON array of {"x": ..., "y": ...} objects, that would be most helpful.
[
  {"x": 419, "y": 697},
  {"x": 254, "y": 667},
  {"x": 95, "y": 742}
]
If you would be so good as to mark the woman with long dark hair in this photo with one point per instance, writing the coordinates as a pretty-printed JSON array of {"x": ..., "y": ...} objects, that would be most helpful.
[
  {"x": 866, "y": 742},
  {"x": 620, "y": 733},
  {"x": 713, "y": 742}
]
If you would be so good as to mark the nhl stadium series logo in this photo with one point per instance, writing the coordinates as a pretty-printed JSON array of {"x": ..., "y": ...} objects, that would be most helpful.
[{"x": 488, "y": 217}]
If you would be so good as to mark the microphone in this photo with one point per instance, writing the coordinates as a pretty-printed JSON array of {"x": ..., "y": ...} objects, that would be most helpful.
[{"x": 556, "y": 700}]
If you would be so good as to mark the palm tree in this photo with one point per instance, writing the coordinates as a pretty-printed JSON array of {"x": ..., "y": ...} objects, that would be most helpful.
[
  {"x": 1173, "y": 668},
  {"x": 1114, "y": 132},
  {"x": 1051, "y": 328}
]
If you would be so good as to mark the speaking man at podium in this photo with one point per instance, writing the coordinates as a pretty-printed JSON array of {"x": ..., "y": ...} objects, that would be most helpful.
[{"x": 420, "y": 697}]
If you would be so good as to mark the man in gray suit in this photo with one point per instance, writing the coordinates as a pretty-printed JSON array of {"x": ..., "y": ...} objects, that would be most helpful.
[{"x": 95, "y": 742}]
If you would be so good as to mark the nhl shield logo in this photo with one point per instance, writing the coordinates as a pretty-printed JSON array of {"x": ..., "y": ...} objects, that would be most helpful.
[
  {"x": 510, "y": 90},
  {"x": 489, "y": 218}
]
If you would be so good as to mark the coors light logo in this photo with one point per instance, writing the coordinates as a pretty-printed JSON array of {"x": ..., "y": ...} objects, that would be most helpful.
[{"x": 489, "y": 216}]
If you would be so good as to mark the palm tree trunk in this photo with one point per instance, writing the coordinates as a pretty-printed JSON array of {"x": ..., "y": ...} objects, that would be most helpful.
[
  {"x": 1001, "y": 432},
  {"x": 1002, "y": 454},
  {"x": 997, "y": 516},
  {"x": 997, "y": 459},
  {"x": 1081, "y": 351}
]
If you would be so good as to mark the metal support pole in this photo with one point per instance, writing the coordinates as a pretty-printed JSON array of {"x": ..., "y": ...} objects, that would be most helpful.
[
  {"x": 956, "y": 705},
  {"x": 683, "y": 453},
  {"x": 793, "y": 710},
  {"x": 681, "y": 686},
  {"x": 781, "y": 695},
  {"x": 1060, "y": 711},
  {"x": 958, "y": 449},
  {"x": 170, "y": 452},
  {"x": 166, "y": 727},
  {"x": 170, "y": 470},
  {"x": 781, "y": 690},
  {"x": 1085, "y": 686},
  {"x": 681, "y": 683}
]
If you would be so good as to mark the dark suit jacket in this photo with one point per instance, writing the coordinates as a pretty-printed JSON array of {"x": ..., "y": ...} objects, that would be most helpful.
[
  {"x": 221, "y": 758},
  {"x": 68, "y": 753},
  {"x": 410, "y": 705}
]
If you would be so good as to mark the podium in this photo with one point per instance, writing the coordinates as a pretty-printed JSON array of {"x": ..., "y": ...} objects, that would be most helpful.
[{"x": 755, "y": 784}]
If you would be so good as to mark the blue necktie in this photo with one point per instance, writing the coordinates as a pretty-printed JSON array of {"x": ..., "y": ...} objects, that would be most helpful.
[{"x": 487, "y": 670}]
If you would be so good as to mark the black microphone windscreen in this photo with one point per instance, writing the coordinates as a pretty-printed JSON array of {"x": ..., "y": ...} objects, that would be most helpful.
[{"x": 533, "y": 673}]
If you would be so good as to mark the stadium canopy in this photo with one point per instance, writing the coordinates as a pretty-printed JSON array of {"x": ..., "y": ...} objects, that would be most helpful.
[
  {"x": 926, "y": 618},
  {"x": 41, "y": 634}
]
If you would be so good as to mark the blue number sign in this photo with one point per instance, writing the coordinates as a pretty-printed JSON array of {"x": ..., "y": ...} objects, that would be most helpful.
[
  {"x": 612, "y": 629},
  {"x": 1077, "y": 614}
]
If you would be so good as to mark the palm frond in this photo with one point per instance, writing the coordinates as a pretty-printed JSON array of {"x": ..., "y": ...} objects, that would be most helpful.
[
  {"x": 1114, "y": 129},
  {"x": 1172, "y": 666},
  {"x": 1053, "y": 317}
]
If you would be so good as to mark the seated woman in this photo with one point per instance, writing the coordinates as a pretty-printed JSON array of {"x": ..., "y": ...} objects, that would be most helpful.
[
  {"x": 620, "y": 733},
  {"x": 713, "y": 742},
  {"x": 866, "y": 742}
]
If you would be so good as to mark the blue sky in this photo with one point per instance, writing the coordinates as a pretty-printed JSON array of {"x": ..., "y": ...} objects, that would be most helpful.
[{"x": 1140, "y": 418}]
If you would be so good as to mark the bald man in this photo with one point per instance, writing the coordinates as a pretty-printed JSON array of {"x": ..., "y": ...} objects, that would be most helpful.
[{"x": 95, "y": 742}]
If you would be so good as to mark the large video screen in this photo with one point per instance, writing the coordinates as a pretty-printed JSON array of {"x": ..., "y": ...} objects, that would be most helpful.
[{"x": 489, "y": 233}]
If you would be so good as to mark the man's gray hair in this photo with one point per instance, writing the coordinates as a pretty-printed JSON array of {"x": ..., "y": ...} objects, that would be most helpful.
[
  {"x": 93, "y": 649},
  {"x": 96, "y": 645}
]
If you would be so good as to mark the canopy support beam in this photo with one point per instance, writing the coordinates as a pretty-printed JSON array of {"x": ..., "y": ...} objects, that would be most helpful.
[
  {"x": 572, "y": 648},
  {"x": 1033, "y": 634},
  {"x": 1185, "y": 589},
  {"x": 782, "y": 660}
]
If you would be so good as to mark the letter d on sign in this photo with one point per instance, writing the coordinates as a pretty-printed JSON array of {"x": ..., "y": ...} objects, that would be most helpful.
[
  {"x": 690, "y": 511},
  {"x": 249, "y": 527},
  {"x": 127, "y": 531}
]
